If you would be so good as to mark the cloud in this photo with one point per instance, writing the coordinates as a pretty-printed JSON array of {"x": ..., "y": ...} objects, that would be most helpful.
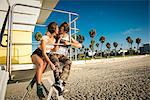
[{"x": 133, "y": 31}]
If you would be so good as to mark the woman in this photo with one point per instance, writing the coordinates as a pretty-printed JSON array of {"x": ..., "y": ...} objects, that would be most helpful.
[{"x": 40, "y": 57}]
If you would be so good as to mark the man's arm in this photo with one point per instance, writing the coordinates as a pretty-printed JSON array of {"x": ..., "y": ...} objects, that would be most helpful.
[{"x": 73, "y": 43}]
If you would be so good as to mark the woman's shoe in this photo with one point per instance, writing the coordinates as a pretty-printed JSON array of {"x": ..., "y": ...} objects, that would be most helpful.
[
  {"x": 40, "y": 91},
  {"x": 31, "y": 84}
]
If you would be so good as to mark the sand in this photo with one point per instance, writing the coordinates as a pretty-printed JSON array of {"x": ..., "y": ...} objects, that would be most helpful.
[{"x": 123, "y": 80}]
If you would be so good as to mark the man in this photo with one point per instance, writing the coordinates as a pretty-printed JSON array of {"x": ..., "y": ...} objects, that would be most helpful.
[{"x": 61, "y": 56}]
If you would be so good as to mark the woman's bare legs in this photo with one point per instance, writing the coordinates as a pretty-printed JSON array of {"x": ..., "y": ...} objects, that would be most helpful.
[{"x": 40, "y": 66}]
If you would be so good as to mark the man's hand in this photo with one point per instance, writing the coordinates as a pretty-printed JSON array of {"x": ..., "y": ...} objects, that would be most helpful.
[
  {"x": 60, "y": 36},
  {"x": 67, "y": 43}
]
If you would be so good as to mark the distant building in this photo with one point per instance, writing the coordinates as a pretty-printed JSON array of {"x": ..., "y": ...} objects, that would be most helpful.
[{"x": 145, "y": 49}]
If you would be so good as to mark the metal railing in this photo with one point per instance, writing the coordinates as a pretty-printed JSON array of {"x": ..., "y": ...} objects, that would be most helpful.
[{"x": 10, "y": 26}]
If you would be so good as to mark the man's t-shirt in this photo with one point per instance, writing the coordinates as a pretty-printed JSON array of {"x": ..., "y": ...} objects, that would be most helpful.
[{"x": 63, "y": 49}]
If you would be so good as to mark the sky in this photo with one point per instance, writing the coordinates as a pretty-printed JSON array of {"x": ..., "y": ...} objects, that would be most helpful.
[{"x": 114, "y": 19}]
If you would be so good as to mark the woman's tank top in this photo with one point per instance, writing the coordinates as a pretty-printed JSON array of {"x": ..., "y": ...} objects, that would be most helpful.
[{"x": 49, "y": 46}]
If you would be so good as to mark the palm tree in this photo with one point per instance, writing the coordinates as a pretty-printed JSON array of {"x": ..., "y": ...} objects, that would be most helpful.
[
  {"x": 92, "y": 42},
  {"x": 80, "y": 38},
  {"x": 131, "y": 43},
  {"x": 129, "y": 40},
  {"x": 138, "y": 41},
  {"x": 82, "y": 48},
  {"x": 92, "y": 34},
  {"x": 90, "y": 46},
  {"x": 97, "y": 45},
  {"x": 86, "y": 50},
  {"x": 108, "y": 47},
  {"x": 115, "y": 44},
  {"x": 102, "y": 40},
  {"x": 73, "y": 51},
  {"x": 38, "y": 36}
]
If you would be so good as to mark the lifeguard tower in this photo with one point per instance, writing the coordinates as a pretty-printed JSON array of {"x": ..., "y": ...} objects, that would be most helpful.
[{"x": 18, "y": 19}]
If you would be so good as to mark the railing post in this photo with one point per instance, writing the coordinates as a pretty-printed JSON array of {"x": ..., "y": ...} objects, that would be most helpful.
[
  {"x": 75, "y": 39},
  {"x": 70, "y": 35},
  {"x": 8, "y": 44},
  {"x": 10, "y": 49}
]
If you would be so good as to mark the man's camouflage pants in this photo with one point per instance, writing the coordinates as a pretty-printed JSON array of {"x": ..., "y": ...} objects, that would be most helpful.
[{"x": 56, "y": 60}]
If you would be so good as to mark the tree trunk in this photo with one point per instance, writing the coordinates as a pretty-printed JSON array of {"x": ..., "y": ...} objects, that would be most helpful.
[
  {"x": 137, "y": 49},
  {"x": 137, "y": 46},
  {"x": 92, "y": 49},
  {"x": 131, "y": 50},
  {"x": 109, "y": 53},
  {"x": 115, "y": 52},
  {"x": 101, "y": 50}
]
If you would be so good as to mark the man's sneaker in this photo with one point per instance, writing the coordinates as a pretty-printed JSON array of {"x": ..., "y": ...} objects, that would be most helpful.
[
  {"x": 59, "y": 86},
  {"x": 64, "y": 83},
  {"x": 40, "y": 91},
  {"x": 65, "y": 91}
]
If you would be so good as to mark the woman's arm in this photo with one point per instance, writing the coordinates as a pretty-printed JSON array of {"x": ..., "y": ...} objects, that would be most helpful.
[
  {"x": 56, "y": 46},
  {"x": 43, "y": 45}
]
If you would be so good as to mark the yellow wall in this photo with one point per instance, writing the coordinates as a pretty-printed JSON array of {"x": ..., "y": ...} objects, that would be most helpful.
[{"x": 20, "y": 53}]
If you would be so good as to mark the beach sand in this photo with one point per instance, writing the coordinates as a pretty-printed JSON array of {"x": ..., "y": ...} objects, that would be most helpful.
[{"x": 123, "y": 80}]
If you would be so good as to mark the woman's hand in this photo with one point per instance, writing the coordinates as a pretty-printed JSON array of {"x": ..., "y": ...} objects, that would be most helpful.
[
  {"x": 60, "y": 37},
  {"x": 52, "y": 66}
]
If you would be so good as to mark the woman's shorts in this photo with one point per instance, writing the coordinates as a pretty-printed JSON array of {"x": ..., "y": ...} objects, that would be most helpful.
[{"x": 38, "y": 52}]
